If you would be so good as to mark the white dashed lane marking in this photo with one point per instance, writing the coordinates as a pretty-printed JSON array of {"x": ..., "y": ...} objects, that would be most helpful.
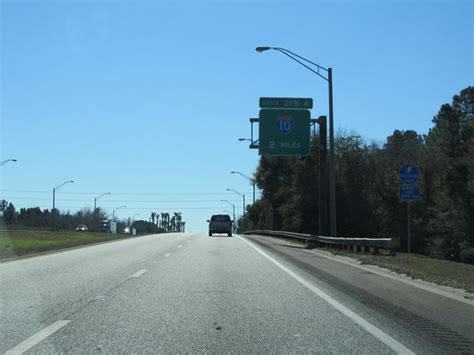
[
  {"x": 36, "y": 338},
  {"x": 139, "y": 273}
]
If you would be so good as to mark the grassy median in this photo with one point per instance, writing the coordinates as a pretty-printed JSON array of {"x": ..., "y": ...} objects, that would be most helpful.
[
  {"x": 24, "y": 241},
  {"x": 441, "y": 272}
]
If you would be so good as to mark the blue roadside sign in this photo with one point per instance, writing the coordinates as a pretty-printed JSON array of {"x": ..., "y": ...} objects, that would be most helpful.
[
  {"x": 409, "y": 174},
  {"x": 409, "y": 192}
]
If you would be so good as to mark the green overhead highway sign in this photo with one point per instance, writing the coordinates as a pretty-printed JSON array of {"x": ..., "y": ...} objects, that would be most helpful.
[
  {"x": 286, "y": 102},
  {"x": 284, "y": 132}
]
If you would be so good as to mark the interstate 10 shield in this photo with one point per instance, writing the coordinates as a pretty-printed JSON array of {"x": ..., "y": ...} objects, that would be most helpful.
[{"x": 284, "y": 132}]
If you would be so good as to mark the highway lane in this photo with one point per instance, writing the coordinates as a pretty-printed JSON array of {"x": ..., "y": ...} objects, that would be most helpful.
[
  {"x": 387, "y": 301},
  {"x": 192, "y": 293},
  {"x": 35, "y": 291}
]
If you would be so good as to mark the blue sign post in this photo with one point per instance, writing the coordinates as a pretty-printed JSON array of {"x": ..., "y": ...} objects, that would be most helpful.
[
  {"x": 409, "y": 191},
  {"x": 409, "y": 174}
]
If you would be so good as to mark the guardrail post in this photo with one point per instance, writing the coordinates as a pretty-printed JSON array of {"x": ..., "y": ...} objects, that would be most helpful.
[
  {"x": 376, "y": 251},
  {"x": 358, "y": 248},
  {"x": 366, "y": 249},
  {"x": 311, "y": 243}
]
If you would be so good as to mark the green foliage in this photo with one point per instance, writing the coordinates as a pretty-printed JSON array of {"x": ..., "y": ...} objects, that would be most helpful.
[
  {"x": 146, "y": 227},
  {"x": 467, "y": 255},
  {"x": 367, "y": 186},
  {"x": 9, "y": 214},
  {"x": 35, "y": 217}
]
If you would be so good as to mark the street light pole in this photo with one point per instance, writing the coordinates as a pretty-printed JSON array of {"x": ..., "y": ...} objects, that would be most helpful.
[
  {"x": 253, "y": 186},
  {"x": 252, "y": 180},
  {"x": 6, "y": 161},
  {"x": 332, "y": 166},
  {"x": 96, "y": 198},
  {"x": 56, "y": 188},
  {"x": 332, "y": 157},
  {"x": 243, "y": 201},
  {"x": 116, "y": 209},
  {"x": 129, "y": 220},
  {"x": 233, "y": 210}
]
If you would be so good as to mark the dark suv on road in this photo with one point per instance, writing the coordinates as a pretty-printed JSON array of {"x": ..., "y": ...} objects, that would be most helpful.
[{"x": 220, "y": 223}]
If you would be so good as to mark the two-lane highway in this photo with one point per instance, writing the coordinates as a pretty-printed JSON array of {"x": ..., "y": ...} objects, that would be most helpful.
[{"x": 192, "y": 293}]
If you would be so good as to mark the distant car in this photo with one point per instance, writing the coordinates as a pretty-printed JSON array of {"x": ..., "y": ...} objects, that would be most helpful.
[
  {"x": 220, "y": 223},
  {"x": 81, "y": 228}
]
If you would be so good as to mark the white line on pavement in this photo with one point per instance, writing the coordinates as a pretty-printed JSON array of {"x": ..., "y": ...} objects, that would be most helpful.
[
  {"x": 139, "y": 273},
  {"x": 180, "y": 246},
  {"x": 376, "y": 332},
  {"x": 168, "y": 254},
  {"x": 36, "y": 338}
]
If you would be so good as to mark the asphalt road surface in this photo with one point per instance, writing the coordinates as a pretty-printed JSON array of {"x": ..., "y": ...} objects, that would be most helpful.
[{"x": 192, "y": 293}]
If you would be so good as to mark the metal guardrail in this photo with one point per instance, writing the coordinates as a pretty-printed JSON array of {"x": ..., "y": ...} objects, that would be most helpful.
[{"x": 376, "y": 243}]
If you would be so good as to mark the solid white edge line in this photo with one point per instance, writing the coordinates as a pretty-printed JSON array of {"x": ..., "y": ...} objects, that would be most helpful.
[
  {"x": 36, "y": 338},
  {"x": 139, "y": 273},
  {"x": 180, "y": 246},
  {"x": 376, "y": 332},
  {"x": 167, "y": 254}
]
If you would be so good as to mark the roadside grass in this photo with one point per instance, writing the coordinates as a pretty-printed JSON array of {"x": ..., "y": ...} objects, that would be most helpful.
[
  {"x": 23, "y": 242},
  {"x": 438, "y": 271},
  {"x": 13, "y": 227}
]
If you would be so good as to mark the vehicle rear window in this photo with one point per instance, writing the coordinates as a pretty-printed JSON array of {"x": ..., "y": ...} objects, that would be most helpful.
[{"x": 221, "y": 218}]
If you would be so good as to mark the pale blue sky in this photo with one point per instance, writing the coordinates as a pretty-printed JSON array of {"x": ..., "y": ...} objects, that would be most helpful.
[{"x": 149, "y": 98}]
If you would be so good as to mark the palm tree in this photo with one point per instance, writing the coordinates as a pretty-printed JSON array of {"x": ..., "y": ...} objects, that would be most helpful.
[
  {"x": 173, "y": 223},
  {"x": 166, "y": 224},
  {"x": 178, "y": 220},
  {"x": 163, "y": 221}
]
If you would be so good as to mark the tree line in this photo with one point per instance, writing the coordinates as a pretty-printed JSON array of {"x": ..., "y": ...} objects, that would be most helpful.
[
  {"x": 367, "y": 185},
  {"x": 54, "y": 219}
]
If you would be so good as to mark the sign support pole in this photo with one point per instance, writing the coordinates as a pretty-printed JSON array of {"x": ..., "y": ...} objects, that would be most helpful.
[
  {"x": 323, "y": 178},
  {"x": 332, "y": 165},
  {"x": 409, "y": 226}
]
